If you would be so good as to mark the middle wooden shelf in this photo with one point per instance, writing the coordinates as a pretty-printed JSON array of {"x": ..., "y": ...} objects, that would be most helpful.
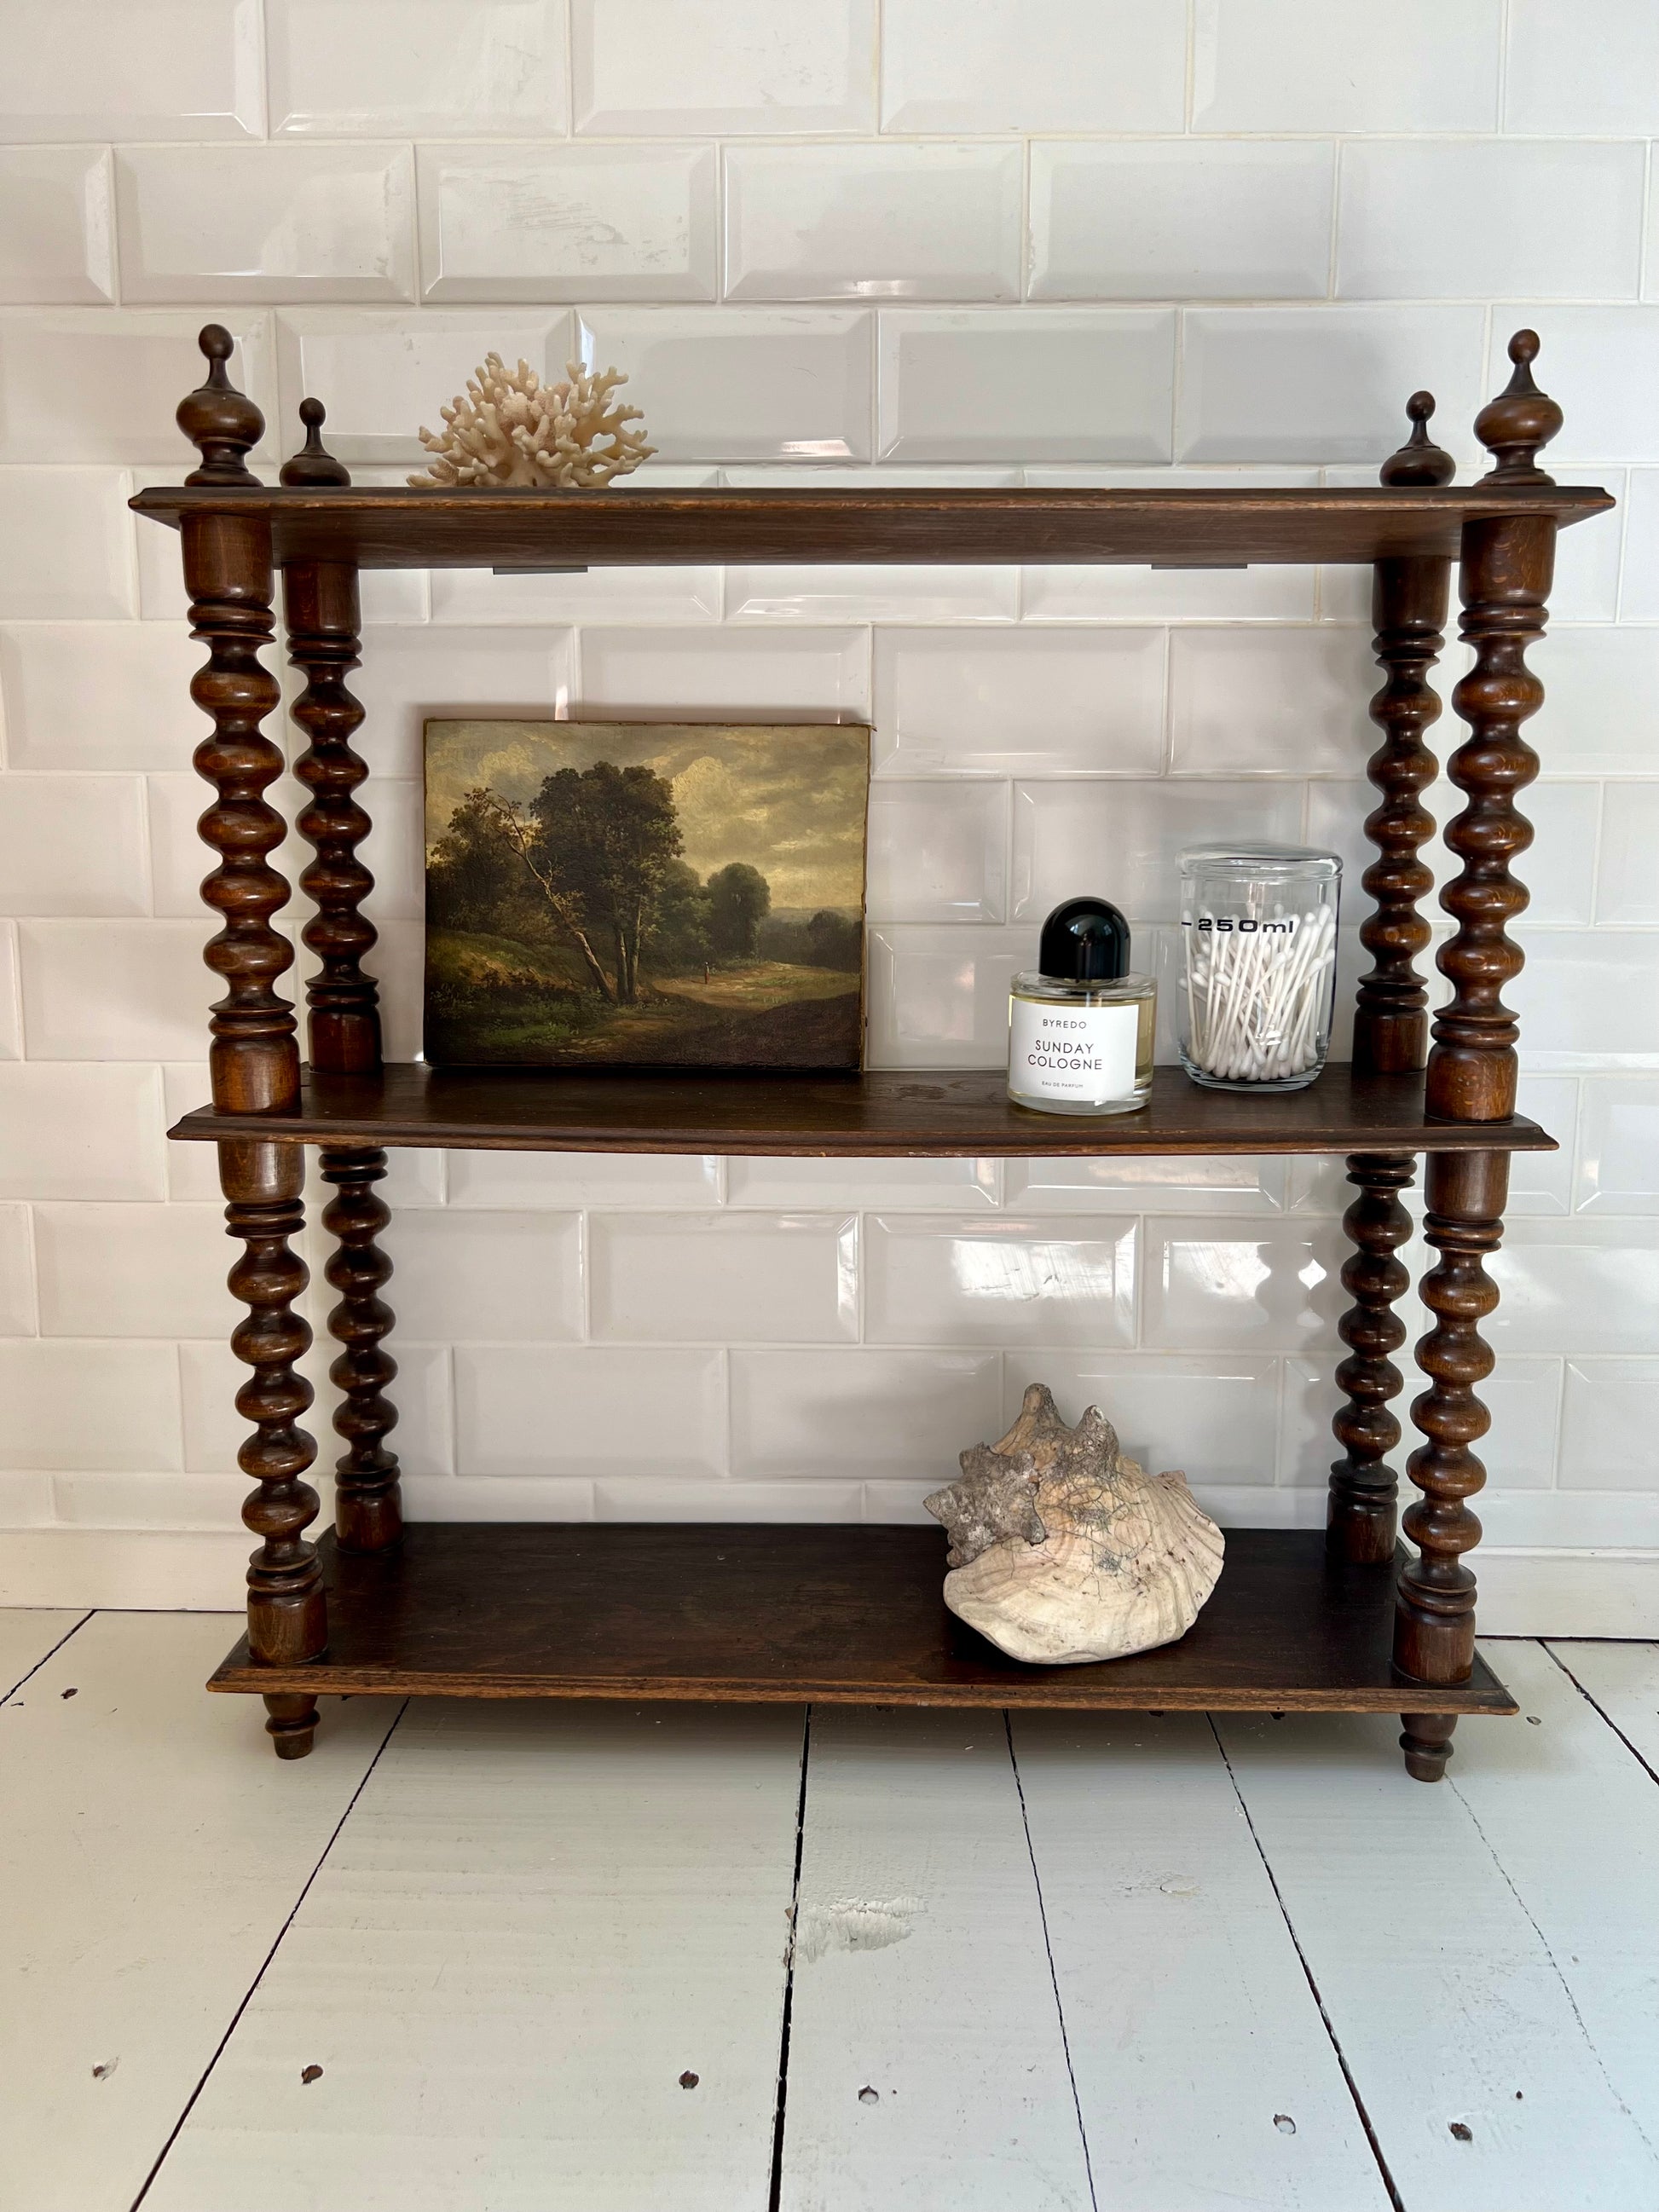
[{"x": 885, "y": 1113}]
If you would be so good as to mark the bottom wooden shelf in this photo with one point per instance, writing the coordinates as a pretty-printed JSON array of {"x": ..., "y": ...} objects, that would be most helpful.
[{"x": 850, "y": 1615}]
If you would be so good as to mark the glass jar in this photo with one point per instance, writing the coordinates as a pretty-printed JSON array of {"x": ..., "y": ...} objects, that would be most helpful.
[{"x": 1257, "y": 964}]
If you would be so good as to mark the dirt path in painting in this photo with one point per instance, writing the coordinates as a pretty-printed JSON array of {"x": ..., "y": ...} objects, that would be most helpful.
[{"x": 738, "y": 1020}]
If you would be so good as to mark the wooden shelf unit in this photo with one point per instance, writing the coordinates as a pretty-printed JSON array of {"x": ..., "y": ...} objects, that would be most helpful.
[{"x": 1348, "y": 1620}]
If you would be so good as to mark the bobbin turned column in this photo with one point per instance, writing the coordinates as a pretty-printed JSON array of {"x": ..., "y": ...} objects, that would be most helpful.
[
  {"x": 253, "y": 1059},
  {"x": 287, "y": 1615},
  {"x": 367, "y": 1504},
  {"x": 1409, "y": 597},
  {"x": 1504, "y": 577},
  {"x": 1434, "y": 1616},
  {"x": 321, "y": 607},
  {"x": 1508, "y": 562},
  {"x": 1361, "y": 1514}
]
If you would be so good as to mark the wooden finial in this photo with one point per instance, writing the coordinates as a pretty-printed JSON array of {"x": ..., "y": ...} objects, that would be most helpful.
[
  {"x": 1420, "y": 460},
  {"x": 312, "y": 464},
  {"x": 222, "y": 423},
  {"x": 1519, "y": 421}
]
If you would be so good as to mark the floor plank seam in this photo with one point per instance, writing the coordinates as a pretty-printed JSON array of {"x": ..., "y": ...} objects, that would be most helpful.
[
  {"x": 1594, "y": 1703},
  {"x": 1048, "y": 1950},
  {"x": 23, "y": 1679},
  {"x": 264, "y": 1963},
  {"x": 775, "y": 2191},
  {"x": 1394, "y": 2198},
  {"x": 1566, "y": 1987}
]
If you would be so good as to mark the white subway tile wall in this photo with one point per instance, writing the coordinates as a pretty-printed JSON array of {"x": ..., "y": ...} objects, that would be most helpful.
[
  {"x": 883, "y": 223},
  {"x": 1058, "y": 241},
  {"x": 57, "y": 229},
  {"x": 323, "y": 221},
  {"x": 397, "y": 68},
  {"x": 1181, "y": 218},
  {"x": 760, "y": 66},
  {"x": 573, "y": 222}
]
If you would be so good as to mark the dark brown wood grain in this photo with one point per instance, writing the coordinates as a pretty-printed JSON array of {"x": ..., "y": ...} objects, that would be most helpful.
[
  {"x": 1426, "y": 1740},
  {"x": 1504, "y": 581},
  {"x": 367, "y": 1507},
  {"x": 1434, "y": 1624},
  {"x": 253, "y": 1060},
  {"x": 1409, "y": 598},
  {"x": 621, "y": 525},
  {"x": 1361, "y": 1515},
  {"x": 320, "y": 603},
  {"x": 949, "y": 1114},
  {"x": 1506, "y": 563},
  {"x": 222, "y": 423},
  {"x": 841, "y": 1614},
  {"x": 287, "y": 1614},
  {"x": 313, "y": 465},
  {"x": 1518, "y": 422}
]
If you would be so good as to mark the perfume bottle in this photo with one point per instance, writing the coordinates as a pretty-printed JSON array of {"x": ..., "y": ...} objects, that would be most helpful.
[{"x": 1080, "y": 1030}]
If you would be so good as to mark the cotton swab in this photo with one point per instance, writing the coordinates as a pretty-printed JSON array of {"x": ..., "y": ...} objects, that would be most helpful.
[{"x": 1254, "y": 997}]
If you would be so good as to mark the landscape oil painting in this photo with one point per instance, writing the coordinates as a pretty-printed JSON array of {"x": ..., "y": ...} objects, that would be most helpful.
[{"x": 645, "y": 894}]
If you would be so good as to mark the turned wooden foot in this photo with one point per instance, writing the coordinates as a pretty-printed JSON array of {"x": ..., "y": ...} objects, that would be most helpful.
[
  {"x": 292, "y": 1724},
  {"x": 1427, "y": 1744}
]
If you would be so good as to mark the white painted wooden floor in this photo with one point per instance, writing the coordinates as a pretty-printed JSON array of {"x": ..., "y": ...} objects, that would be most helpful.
[{"x": 474, "y": 1958}]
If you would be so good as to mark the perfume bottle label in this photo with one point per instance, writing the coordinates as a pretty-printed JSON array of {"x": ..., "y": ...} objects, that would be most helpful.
[{"x": 1083, "y": 1054}]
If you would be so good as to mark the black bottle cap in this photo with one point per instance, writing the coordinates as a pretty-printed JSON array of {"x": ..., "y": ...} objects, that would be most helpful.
[{"x": 1086, "y": 940}]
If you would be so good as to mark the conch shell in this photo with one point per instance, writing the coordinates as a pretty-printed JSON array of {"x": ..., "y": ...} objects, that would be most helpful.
[{"x": 1063, "y": 1550}]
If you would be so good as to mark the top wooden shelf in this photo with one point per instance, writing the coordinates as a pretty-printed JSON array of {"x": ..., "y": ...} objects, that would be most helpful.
[{"x": 625, "y": 526}]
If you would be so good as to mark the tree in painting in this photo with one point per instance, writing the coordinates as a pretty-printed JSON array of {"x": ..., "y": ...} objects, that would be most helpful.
[{"x": 739, "y": 900}]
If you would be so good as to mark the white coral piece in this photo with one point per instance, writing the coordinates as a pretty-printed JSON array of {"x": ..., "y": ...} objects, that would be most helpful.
[{"x": 512, "y": 429}]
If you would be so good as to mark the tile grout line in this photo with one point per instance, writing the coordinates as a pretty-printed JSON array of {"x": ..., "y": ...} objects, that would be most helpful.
[
  {"x": 6, "y": 1699},
  {"x": 1048, "y": 1953},
  {"x": 1596, "y": 1705},
  {"x": 264, "y": 1963},
  {"x": 775, "y": 2191},
  {"x": 1394, "y": 2198}
]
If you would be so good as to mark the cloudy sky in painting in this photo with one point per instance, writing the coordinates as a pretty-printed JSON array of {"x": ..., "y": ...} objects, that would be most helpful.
[{"x": 788, "y": 798}]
